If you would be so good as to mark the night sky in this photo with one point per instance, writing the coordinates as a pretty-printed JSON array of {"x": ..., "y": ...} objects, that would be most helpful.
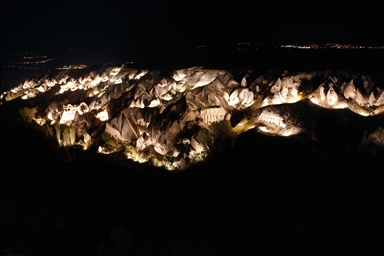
[{"x": 101, "y": 31}]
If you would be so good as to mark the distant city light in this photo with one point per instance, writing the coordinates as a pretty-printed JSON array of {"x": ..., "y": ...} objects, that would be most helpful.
[
  {"x": 32, "y": 63},
  {"x": 330, "y": 46}
]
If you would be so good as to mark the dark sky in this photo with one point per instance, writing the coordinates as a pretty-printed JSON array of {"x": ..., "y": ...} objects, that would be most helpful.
[{"x": 113, "y": 31}]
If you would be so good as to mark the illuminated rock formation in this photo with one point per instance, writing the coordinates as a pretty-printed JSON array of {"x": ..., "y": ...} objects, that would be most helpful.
[{"x": 173, "y": 119}]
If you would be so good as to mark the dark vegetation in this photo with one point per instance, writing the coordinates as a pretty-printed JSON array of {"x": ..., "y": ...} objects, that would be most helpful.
[{"x": 317, "y": 194}]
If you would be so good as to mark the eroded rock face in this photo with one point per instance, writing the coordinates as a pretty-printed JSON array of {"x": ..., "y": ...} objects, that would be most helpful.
[{"x": 169, "y": 119}]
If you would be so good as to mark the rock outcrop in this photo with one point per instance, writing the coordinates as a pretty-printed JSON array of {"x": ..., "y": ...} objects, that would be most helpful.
[{"x": 168, "y": 118}]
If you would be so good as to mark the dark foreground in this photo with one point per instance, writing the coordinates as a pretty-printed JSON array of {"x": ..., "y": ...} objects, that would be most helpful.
[{"x": 258, "y": 195}]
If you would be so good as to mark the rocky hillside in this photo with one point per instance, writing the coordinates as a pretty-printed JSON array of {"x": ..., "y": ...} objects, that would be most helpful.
[{"x": 174, "y": 118}]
